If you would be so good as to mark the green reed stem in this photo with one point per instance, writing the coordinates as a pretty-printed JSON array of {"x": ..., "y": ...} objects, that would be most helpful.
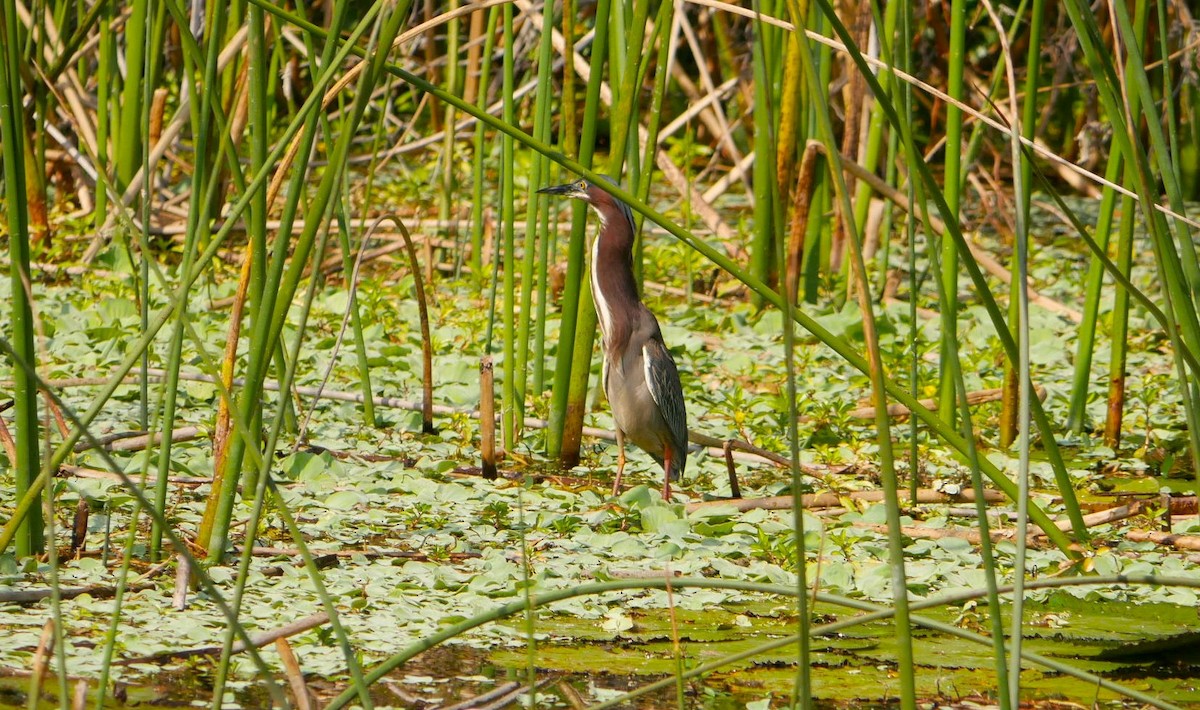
[{"x": 30, "y": 539}]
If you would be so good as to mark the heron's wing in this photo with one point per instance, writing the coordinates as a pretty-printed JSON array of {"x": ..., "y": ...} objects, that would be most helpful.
[{"x": 662, "y": 379}]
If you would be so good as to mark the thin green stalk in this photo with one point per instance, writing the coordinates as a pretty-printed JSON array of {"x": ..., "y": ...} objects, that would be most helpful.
[
  {"x": 1094, "y": 290},
  {"x": 342, "y": 212},
  {"x": 802, "y": 691},
  {"x": 129, "y": 141},
  {"x": 106, "y": 77},
  {"x": 511, "y": 410},
  {"x": 1119, "y": 348},
  {"x": 25, "y": 412},
  {"x": 1028, "y": 122},
  {"x": 356, "y": 322},
  {"x": 870, "y": 159},
  {"x": 536, "y": 208},
  {"x": 910, "y": 227},
  {"x": 59, "y": 644},
  {"x": 1021, "y": 194},
  {"x": 762, "y": 245},
  {"x": 952, "y": 186},
  {"x": 114, "y": 621},
  {"x": 543, "y": 277},
  {"x": 478, "y": 152},
  {"x": 449, "y": 192},
  {"x": 662, "y": 24}
]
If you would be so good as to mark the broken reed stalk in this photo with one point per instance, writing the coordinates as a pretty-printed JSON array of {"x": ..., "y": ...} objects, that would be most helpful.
[
  {"x": 295, "y": 677},
  {"x": 735, "y": 490},
  {"x": 183, "y": 574},
  {"x": 41, "y": 659},
  {"x": 228, "y": 363},
  {"x": 426, "y": 340},
  {"x": 487, "y": 417}
]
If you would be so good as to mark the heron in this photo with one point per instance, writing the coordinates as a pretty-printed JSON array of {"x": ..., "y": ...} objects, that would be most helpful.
[{"x": 639, "y": 375}]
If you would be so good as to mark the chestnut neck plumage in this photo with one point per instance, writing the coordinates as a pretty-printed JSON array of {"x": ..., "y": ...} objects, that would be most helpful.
[{"x": 613, "y": 288}]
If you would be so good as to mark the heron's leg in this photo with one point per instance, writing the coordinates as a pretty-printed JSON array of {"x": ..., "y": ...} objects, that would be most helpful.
[
  {"x": 620, "y": 463},
  {"x": 666, "y": 491}
]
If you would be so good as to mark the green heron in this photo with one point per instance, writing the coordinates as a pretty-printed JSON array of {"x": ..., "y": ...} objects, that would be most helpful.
[{"x": 639, "y": 376}]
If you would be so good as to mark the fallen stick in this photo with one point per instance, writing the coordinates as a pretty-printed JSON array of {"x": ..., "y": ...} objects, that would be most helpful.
[
  {"x": 1179, "y": 542},
  {"x": 405, "y": 554},
  {"x": 256, "y": 640},
  {"x": 1103, "y": 517},
  {"x": 829, "y": 500},
  {"x": 95, "y": 473},
  {"x": 493, "y": 694},
  {"x": 100, "y": 591},
  {"x": 970, "y": 535},
  {"x": 137, "y": 441},
  {"x": 973, "y": 398}
]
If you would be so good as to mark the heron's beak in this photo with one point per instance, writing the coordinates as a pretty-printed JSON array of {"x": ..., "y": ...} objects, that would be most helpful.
[{"x": 571, "y": 189}]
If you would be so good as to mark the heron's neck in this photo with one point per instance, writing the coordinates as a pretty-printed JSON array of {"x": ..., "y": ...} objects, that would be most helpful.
[{"x": 613, "y": 287}]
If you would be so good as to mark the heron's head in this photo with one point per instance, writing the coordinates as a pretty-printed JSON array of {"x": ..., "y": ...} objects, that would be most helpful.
[
  {"x": 604, "y": 203},
  {"x": 577, "y": 190}
]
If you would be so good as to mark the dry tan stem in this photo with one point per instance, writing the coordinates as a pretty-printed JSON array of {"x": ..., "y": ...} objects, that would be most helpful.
[
  {"x": 183, "y": 574},
  {"x": 41, "y": 656},
  {"x": 291, "y": 668},
  {"x": 1035, "y": 538},
  {"x": 228, "y": 364},
  {"x": 79, "y": 699},
  {"x": 6, "y": 440}
]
